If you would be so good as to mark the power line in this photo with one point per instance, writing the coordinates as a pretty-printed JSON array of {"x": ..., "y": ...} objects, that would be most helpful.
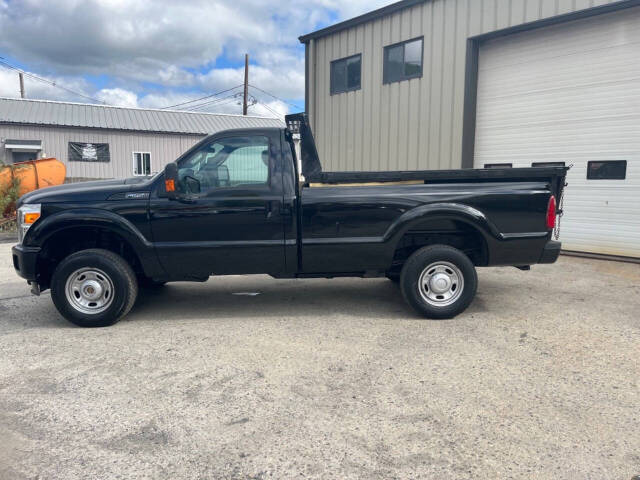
[
  {"x": 233, "y": 101},
  {"x": 277, "y": 98},
  {"x": 212, "y": 102},
  {"x": 220, "y": 101},
  {"x": 277, "y": 114},
  {"x": 202, "y": 98},
  {"x": 49, "y": 82}
]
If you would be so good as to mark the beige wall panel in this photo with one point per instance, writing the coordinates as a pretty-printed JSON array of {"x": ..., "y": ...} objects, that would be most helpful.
[{"x": 414, "y": 124}]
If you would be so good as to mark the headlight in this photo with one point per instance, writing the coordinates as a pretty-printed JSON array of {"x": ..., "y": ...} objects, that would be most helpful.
[{"x": 27, "y": 216}]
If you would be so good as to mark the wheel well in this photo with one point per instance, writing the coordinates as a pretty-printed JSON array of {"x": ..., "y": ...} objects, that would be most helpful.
[
  {"x": 68, "y": 241},
  {"x": 454, "y": 233}
]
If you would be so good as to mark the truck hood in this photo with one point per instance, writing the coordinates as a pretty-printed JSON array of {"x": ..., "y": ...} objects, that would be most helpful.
[{"x": 86, "y": 191}]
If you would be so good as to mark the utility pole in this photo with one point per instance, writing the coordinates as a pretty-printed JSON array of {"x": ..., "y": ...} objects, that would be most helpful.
[
  {"x": 21, "y": 84},
  {"x": 246, "y": 84}
]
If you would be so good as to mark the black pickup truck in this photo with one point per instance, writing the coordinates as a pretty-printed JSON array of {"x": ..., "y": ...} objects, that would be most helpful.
[{"x": 240, "y": 202}]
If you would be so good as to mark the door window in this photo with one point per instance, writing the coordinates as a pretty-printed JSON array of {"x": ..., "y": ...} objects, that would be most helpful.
[{"x": 232, "y": 162}]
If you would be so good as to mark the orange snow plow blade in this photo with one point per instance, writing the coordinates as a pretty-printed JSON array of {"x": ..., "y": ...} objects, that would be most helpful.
[{"x": 33, "y": 174}]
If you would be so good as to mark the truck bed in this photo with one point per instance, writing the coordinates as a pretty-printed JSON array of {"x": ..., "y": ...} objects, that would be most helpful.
[{"x": 555, "y": 175}]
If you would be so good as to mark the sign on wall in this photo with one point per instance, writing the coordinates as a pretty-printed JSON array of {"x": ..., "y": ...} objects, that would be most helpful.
[{"x": 89, "y": 152}]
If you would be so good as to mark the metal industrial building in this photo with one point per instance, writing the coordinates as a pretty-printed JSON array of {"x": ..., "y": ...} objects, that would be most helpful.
[
  {"x": 134, "y": 141},
  {"x": 436, "y": 84}
]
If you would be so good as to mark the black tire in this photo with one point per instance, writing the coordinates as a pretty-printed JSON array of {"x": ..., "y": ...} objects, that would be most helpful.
[
  {"x": 425, "y": 299},
  {"x": 111, "y": 266}
]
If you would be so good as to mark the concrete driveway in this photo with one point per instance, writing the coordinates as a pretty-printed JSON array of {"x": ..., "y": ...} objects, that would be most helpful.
[{"x": 334, "y": 379}]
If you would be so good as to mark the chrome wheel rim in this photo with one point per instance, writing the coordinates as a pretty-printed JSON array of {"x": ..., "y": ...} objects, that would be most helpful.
[
  {"x": 441, "y": 284},
  {"x": 89, "y": 290}
]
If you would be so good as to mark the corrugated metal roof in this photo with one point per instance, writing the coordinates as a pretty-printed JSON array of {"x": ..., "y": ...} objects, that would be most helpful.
[{"x": 67, "y": 114}]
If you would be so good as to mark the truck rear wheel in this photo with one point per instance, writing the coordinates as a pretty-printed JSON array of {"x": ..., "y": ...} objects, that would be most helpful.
[
  {"x": 94, "y": 288},
  {"x": 439, "y": 281}
]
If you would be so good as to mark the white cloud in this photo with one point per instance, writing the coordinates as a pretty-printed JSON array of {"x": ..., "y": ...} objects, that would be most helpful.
[
  {"x": 287, "y": 83},
  {"x": 170, "y": 43},
  {"x": 10, "y": 87},
  {"x": 272, "y": 109},
  {"x": 118, "y": 96}
]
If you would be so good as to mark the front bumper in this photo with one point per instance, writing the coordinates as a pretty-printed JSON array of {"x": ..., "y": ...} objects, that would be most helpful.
[
  {"x": 550, "y": 252},
  {"x": 24, "y": 261}
]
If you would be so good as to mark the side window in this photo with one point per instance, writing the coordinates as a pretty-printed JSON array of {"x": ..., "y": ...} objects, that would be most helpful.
[
  {"x": 346, "y": 74},
  {"x": 226, "y": 163},
  {"x": 248, "y": 166},
  {"x": 403, "y": 61}
]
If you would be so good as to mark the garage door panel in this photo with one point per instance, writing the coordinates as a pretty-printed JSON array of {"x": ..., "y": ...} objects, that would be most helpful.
[
  {"x": 570, "y": 93},
  {"x": 563, "y": 40},
  {"x": 611, "y": 67},
  {"x": 538, "y": 141},
  {"x": 567, "y": 104}
]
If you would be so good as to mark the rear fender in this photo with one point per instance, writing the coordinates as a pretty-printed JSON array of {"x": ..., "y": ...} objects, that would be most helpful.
[
  {"x": 415, "y": 219},
  {"x": 440, "y": 211},
  {"x": 502, "y": 248}
]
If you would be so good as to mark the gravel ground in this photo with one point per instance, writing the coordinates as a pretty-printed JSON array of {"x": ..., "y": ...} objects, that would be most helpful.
[
  {"x": 337, "y": 379},
  {"x": 8, "y": 236}
]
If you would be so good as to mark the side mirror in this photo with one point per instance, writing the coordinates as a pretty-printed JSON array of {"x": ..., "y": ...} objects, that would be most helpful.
[{"x": 171, "y": 180}]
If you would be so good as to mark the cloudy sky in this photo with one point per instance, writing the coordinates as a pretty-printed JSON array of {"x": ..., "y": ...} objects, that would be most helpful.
[{"x": 157, "y": 53}]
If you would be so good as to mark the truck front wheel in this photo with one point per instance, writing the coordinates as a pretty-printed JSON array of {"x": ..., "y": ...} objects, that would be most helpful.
[
  {"x": 93, "y": 288},
  {"x": 439, "y": 281}
]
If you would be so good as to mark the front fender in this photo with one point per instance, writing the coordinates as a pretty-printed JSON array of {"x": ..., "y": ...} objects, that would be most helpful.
[{"x": 45, "y": 228}]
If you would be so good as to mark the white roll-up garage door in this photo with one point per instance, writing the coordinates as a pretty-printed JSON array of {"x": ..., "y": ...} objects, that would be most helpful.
[{"x": 571, "y": 93}]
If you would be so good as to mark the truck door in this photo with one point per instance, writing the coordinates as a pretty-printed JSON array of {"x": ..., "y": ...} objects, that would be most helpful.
[{"x": 229, "y": 216}]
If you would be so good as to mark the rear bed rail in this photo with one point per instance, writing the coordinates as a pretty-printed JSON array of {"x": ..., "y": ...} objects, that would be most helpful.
[{"x": 555, "y": 175}]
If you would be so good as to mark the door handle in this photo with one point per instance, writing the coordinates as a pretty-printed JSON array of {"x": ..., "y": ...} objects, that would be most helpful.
[
  {"x": 283, "y": 210},
  {"x": 187, "y": 200}
]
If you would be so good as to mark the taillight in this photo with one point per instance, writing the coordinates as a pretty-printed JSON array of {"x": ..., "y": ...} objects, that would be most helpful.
[{"x": 551, "y": 213}]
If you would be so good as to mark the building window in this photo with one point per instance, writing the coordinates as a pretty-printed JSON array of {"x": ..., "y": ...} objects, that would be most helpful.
[
  {"x": 607, "y": 170},
  {"x": 141, "y": 163},
  {"x": 403, "y": 61},
  {"x": 498, "y": 165},
  {"x": 547, "y": 164},
  {"x": 345, "y": 74}
]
